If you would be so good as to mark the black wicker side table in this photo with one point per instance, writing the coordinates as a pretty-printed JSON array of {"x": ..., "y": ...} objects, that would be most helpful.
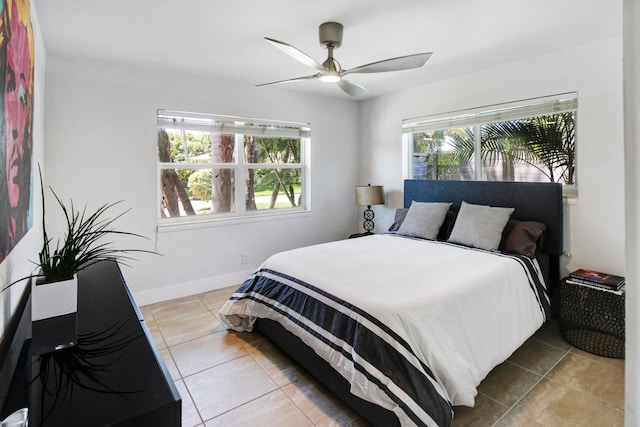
[{"x": 591, "y": 320}]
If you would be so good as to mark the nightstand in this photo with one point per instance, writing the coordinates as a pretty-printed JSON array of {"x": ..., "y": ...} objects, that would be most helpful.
[{"x": 591, "y": 319}]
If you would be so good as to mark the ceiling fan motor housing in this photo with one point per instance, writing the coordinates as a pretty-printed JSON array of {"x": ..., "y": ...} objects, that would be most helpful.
[{"x": 330, "y": 35}]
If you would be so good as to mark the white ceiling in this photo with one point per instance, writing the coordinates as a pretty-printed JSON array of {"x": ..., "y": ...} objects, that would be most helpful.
[{"x": 226, "y": 37}]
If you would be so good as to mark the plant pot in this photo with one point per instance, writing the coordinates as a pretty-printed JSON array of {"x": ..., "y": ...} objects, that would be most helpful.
[{"x": 54, "y": 308}]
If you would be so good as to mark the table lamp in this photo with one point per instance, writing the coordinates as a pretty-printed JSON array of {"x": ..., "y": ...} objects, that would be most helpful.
[{"x": 368, "y": 195}]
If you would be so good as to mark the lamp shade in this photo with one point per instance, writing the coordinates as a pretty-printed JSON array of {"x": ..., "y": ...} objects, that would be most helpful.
[{"x": 368, "y": 195}]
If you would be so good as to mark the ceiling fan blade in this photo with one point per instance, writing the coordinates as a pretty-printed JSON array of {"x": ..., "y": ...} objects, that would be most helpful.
[
  {"x": 352, "y": 88},
  {"x": 288, "y": 80},
  {"x": 296, "y": 54},
  {"x": 392, "y": 64}
]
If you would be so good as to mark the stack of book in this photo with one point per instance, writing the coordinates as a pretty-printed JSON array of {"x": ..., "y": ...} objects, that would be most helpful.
[{"x": 597, "y": 280}]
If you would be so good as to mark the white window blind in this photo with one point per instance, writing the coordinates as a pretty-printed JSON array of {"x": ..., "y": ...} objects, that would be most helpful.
[
  {"x": 554, "y": 104},
  {"x": 231, "y": 125}
]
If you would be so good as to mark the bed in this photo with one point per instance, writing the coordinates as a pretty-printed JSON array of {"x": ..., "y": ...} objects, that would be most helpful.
[{"x": 403, "y": 326}]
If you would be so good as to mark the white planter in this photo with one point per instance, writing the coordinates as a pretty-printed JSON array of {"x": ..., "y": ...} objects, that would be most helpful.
[
  {"x": 54, "y": 309},
  {"x": 54, "y": 299}
]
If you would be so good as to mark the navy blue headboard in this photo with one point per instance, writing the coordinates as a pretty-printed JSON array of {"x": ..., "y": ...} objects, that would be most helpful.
[{"x": 532, "y": 201}]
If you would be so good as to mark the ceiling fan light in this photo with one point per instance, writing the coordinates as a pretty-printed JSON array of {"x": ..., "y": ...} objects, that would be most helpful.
[{"x": 331, "y": 77}]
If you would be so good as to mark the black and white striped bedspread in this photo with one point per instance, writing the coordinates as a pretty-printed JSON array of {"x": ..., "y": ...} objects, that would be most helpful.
[
  {"x": 364, "y": 346},
  {"x": 382, "y": 365}
]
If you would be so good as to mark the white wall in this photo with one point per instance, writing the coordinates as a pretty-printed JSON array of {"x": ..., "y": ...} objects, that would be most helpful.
[
  {"x": 594, "y": 230},
  {"x": 101, "y": 147}
]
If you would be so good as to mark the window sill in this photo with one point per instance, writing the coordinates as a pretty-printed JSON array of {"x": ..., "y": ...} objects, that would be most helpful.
[{"x": 191, "y": 224}]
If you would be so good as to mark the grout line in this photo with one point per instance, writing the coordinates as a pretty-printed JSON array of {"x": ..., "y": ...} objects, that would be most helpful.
[
  {"x": 290, "y": 362},
  {"x": 211, "y": 367},
  {"x": 550, "y": 344},
  {"x": 579, "y": 353},
  {"x": 193, "y": 402},
  {"x": 235, "y": 407},
  {"x": 297, "y": 406},
  {"x": 591, "y": 396},
  {"x": 542, "y": 377},
  {"x": 246, "y": 354}
]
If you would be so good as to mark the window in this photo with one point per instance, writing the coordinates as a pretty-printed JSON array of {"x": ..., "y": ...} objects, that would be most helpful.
[
  {"x": 229, "y": 167},
  {"x": 532, "y": 140}
]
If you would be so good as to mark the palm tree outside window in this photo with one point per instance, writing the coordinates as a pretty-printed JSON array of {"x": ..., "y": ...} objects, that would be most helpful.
[{"x": 532, "y": 140}]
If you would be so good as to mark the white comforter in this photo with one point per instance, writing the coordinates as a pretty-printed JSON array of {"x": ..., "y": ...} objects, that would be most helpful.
[{"x": 463, "y": 311}]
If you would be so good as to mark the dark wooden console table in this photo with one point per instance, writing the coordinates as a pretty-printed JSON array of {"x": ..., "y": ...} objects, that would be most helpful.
[{"x": 115, "y": 375}]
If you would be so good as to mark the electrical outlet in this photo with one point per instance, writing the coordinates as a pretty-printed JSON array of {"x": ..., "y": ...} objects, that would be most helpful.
[{"x": 244, "y": 259}]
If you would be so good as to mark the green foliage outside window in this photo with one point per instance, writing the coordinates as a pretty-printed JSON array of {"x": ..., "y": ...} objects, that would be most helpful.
[
  {"x": 545, "y": 145},
  {"x": 273, "y": 185}
]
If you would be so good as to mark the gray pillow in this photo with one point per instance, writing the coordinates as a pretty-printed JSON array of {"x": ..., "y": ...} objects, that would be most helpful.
[
  {"x": 401, "y": 213},
  {"x": 424, "y": 220},
  {"x": 480, "y": 226}
]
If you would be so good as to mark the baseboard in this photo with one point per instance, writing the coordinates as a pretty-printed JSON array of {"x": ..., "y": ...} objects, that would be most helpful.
[{"x": 190, "y": 288}]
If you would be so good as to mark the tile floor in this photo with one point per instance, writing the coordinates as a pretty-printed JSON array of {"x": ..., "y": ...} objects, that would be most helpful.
[{"x": 241, "y": 379}]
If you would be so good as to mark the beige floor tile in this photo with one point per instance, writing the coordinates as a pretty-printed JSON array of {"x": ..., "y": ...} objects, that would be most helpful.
[
  {"x": 359, "y": 422},
  {"x": 537, "y": 356},
  {"x": 190, "y": 416},
  {"x": 190, "y": 327},
  {"x": 146, "y": 314},
  {"x": 177, "y": 308},
  {"x": 609, "y": 361},
  {"x": 205, "y": 352},
  {"x": 227, "y": 386},
  {"x": 260, "y": 383},
  {"x": 485, "y": 412},
  {"x": 213, "y": 300},
  {"x": 156, "y": 335},
  {"x": 278, "y": 365},
  {"x": 550, "y": 334},
  {"x": 511, "y": 419},
  {"x": 553, "y": 404},
  {"x": 586, "y": 376},
  {"x": 271, "y": 410},
  {"x": 318, "y": 404},
  {"x": 251, "y": 341},
  {"x": 507, "y": 383},
  {"x": 170, "y": 363}
]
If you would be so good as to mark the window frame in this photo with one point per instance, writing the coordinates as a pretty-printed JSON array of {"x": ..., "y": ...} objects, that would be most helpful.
[
  {"x": 475, "y": 118},
  {"x": 184, "y": 121}
]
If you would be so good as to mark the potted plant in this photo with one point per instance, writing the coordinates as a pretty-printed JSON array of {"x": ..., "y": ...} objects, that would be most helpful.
[{"x": 54, "y": 286}]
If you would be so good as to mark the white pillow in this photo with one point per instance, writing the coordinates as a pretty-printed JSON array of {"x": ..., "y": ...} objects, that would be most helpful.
[
  {"x": 424, "y": 220},
  {"x": 480, "y": 226}
]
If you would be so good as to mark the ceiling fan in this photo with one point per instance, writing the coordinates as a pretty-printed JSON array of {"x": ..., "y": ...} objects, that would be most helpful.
[{"x": 331, "y": 71}]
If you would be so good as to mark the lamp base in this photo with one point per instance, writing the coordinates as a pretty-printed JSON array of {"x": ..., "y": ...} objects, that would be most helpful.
[{"x": 368, "y": 220}]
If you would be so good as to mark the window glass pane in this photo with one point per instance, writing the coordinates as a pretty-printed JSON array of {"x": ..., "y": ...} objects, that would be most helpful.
[
  {"x": 273, "y": 188},
  {"x": 271, "y": 150},
  {"x": 196, "y": 192},
  {"x": 179, "y": 146},
  {"x": 443, "y": 154},
  {"x": 534, "y": 149},
  {"x": 531, "y": 140},
  {"x": 223, "y": 148},
  {"x": 502, "y": 168},
  {"x": 223, "y": 197}
]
